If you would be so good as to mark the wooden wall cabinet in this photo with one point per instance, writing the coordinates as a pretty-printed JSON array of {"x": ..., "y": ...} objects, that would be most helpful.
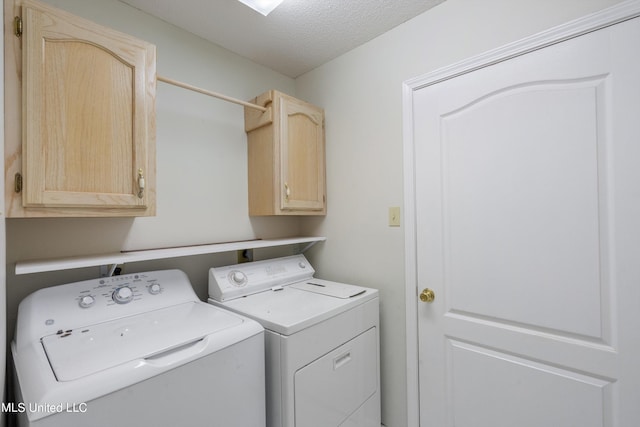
[
  {"x": 80, "y": 126},
  {"x": 286, "y": 151}
]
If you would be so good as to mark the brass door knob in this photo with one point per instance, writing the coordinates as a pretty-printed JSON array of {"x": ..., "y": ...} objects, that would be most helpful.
[{"x": 427, "y": 295}]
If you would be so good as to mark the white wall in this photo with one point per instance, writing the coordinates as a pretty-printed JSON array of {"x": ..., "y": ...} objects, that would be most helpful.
[{"x": 361, "y": 92}]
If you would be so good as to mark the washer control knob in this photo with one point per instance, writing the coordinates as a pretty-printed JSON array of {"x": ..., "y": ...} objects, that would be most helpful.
[
  {"x": 154, "y": 289},
  {"x": 123, "y": 295},
  {"x": 86, "y": 301},
  {"x": 302, "y": 265},
  {"x": 238, "y": 278}
]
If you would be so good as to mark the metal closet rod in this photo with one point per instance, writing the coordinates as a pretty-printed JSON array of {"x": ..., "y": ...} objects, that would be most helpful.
[{"x": 208, "y": 92}]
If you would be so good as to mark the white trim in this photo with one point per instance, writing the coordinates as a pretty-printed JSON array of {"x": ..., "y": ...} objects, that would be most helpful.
[
  {"x": 410, "y": 274},
  {"x": 593, "y": 22}
]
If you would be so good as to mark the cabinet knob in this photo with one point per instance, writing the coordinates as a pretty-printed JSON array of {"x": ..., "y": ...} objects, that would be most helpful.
[{"x": 287, "y": 192}]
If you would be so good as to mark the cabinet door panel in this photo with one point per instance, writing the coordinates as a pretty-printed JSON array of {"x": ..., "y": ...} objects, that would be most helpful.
[
  {"x": 302, "y": 157},
  {"x": 85, "y": 114}
]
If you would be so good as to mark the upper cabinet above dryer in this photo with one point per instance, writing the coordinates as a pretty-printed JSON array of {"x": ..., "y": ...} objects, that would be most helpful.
[
  {"x": 80, "y": 139},
  {"x": 286, "y": 156}
]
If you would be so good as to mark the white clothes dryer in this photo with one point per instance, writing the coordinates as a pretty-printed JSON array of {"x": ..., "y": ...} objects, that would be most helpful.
[
  {"x": 322, "y": 341},
  {"x": 135, "y": 350}
]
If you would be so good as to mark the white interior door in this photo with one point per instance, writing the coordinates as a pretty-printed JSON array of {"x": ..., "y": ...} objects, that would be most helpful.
[{"x": 527, "y": 229}]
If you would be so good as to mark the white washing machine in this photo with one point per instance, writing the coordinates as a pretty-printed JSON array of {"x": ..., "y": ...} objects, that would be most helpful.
[
  {"x": 135, "y": 350},
  {"x": 322, "y": 341}
]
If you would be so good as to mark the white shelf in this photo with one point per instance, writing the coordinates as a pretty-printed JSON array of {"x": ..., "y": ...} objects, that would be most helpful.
[{"x": 41, "y": 266}]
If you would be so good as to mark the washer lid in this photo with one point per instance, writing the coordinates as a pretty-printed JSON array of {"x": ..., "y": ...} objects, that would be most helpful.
[{"x": 83, "y": 351}]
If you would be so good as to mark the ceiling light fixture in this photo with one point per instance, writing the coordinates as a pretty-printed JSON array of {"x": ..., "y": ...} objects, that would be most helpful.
[{"x": 265, "y": 7}]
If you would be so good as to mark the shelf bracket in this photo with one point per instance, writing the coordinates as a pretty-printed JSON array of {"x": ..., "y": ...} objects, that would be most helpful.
[
  {"x": 108, "y": 270},
  {"x": 309, "y": 245}
]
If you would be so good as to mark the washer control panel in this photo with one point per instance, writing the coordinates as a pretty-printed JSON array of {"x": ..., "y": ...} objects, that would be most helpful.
[
  {"x": 64, "y": 307},
  {"x": 234, "y": 281},
  {"x": 120, "y": 289}
]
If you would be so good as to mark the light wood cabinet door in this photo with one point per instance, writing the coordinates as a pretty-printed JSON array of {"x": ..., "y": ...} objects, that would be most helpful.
[
  {"x": 286, "y": 157},
  {"x": 302, "y": 155},
  {"x": 88, "y": 118}
]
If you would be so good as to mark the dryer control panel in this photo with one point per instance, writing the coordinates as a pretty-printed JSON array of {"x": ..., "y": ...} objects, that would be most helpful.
[{"x": 234, "y": 281}]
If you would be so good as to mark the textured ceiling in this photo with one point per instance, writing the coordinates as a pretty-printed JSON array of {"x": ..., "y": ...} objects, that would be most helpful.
[{"x": 296, "y": 37}]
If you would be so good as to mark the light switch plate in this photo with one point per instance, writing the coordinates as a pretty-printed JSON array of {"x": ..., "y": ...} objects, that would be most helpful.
[{"x": 394, "y": 216}]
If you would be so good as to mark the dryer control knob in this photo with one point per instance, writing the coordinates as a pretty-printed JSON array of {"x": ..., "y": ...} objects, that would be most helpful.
[
  {"x": 123, "y": 295},
  {"x": 154, "y": 289},
  {"x": 238, "y": 278},
  {"x": 86, "y": 301}
]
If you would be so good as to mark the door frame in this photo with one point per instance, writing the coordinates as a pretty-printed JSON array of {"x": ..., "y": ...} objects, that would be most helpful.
[{"x": 593, "y": 22}]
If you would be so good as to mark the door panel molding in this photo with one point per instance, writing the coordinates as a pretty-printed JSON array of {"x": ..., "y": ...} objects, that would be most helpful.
[
  {"x": 518, "y": 376},
  {"x": 575, "y": 168}
]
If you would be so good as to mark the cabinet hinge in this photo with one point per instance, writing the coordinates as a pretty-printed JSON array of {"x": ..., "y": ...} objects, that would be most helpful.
[
  {"x": 18, "y": 183},
  {"x": 17, "y": 26}
]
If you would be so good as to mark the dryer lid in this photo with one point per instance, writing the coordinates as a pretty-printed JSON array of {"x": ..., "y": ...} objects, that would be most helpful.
[
  {"x": 83, "y": 351},
  {"x": 298, "y": 306},
  {"x": 330, "y": 289}
]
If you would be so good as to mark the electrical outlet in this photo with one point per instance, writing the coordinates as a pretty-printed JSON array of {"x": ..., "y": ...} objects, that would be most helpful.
[
  {"x": 245, "y": 255},
  {"x": 394, "y": 216}
]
